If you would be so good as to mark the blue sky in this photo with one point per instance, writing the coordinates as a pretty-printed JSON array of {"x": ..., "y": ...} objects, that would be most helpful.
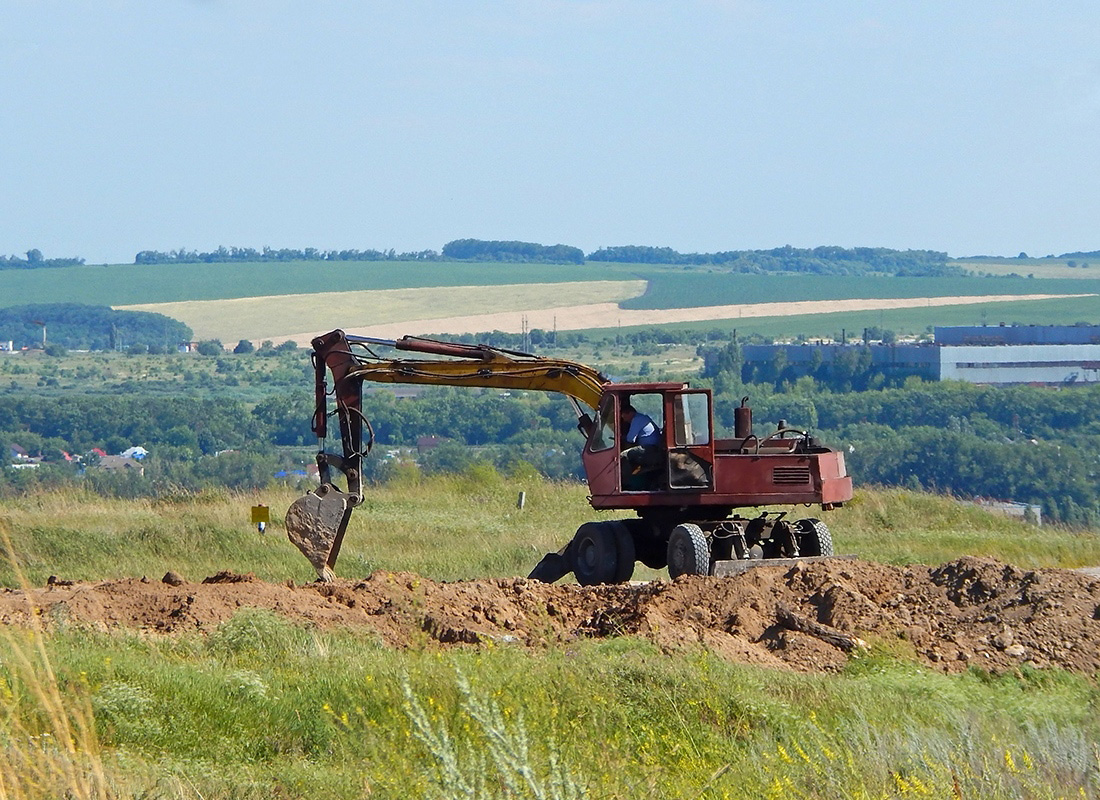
[{"x": 701, "y": 125}]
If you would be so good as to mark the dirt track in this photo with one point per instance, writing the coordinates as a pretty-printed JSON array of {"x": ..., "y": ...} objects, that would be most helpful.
[{"x": 968, "y": 612}]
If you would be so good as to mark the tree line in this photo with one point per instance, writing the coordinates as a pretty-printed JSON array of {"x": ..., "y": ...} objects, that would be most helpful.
[
  {"x": 1026, "y": 444},
  {"x": 818, "y": 260},
  {"x": 527, "y": 252},
  {"x": 227, "y": 255},
  {"x": 824, "y": 260},
  {"x": 827, "y": 260},
  {"x": 35, "y": 260}
]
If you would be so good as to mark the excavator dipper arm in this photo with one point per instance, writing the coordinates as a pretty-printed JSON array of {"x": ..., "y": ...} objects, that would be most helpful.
[{"x": 316, "y": 523}]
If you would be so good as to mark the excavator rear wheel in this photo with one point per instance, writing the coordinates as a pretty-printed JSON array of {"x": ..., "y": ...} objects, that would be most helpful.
[{"x": 595, "y": 553}]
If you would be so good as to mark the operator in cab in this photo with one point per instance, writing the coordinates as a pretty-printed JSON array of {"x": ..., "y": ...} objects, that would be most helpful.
[{"x": 642, "y": 441}]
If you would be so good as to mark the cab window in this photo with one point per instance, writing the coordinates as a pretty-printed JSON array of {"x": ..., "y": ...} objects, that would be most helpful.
[{"x": 692, "y": 417}]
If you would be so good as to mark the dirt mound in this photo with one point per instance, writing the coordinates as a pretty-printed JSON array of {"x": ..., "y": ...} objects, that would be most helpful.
[{"x": 806, "y": 617}]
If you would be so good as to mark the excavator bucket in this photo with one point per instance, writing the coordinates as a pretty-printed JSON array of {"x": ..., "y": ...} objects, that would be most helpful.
[{"x": 316, "y": 523}]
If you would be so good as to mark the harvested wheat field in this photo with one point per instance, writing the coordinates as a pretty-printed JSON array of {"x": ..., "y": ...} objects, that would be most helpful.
[{"x": 969, "y": 612}]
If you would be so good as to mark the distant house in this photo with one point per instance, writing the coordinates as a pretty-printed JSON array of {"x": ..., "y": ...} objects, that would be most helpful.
[
  {"x": 426, "y": 444},
  {"x": 119, "y": 464},
  {"x": 137, "y": 452},
  {"x": 19, "y": 454},
  {"x": 291, "y": 473}
]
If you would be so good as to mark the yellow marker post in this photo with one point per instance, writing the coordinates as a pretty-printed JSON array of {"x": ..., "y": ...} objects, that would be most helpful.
[{"x": 261, "y": 515}]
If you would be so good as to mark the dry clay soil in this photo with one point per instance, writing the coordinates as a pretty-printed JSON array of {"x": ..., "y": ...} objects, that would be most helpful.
[{"x": 970, "y": 612}]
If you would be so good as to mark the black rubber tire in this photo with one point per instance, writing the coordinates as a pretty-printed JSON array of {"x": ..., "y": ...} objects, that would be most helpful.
[
  {"x": 814, "y": 538},
  {"x": 595, "y": 553},
  {"x": 624, "y": 549},
  {"x": 688, "y": 551}
]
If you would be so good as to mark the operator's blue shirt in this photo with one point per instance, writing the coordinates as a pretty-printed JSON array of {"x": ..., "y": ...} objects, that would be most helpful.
[{"x": 642, "y": 431}]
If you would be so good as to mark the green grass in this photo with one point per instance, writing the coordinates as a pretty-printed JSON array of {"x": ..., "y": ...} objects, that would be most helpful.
[
  {"x": 1066, "y": 311},
  {"x": 454, "y": 527},
  {"x": 446, "y": 528},
  {"x": 897, "y": 526},
  {"x": 693, "y": 289},
  {"x": 126, "y": 284}
]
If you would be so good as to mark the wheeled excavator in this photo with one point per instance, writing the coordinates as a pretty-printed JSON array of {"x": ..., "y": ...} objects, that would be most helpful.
[{"x": 685, "y": 510}]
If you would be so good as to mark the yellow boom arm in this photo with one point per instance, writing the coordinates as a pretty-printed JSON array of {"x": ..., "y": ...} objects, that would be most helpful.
[{"x": 316, "y": 523}]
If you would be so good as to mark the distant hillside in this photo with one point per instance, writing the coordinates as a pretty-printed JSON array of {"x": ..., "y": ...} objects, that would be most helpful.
[{"x": 86, "y": 327}]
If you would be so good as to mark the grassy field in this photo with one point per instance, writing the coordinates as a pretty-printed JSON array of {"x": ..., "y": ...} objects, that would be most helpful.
[
  {"x": 233, "y": 301},
  {"x": 257, "y": 318},
  {"x": 128, "y": 284},
  {"x": 263, "y": 708},
  {"x": 1039, "y": 267},
  {"x": 452, "y": 528},
  {"x": 691, "y": 289}
]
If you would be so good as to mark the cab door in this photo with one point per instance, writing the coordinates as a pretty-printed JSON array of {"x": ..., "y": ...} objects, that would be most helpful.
[
  {"x": 691, "y": 441},
  {"x": 601, "y": 452}
]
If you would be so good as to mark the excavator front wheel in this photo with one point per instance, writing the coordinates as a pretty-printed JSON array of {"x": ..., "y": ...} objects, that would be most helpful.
[
  {"x": 814, "y": 538},
  {"x": 688, "y": 551}
]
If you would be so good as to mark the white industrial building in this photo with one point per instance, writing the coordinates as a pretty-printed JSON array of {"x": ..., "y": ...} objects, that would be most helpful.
[
  {"x": 1055, "y": 355},
  {"x": 1021, "y": 363}
]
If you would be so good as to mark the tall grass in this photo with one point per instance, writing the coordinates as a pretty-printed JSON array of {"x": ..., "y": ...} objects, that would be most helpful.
[
  {"x": 264, "y": 708},
  {"x": 898, "y": 526},
  {"x": 53, "y": 751}
]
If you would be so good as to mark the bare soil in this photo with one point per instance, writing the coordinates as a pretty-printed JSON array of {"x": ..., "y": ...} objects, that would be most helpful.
[{"x": 970, "y": 612}]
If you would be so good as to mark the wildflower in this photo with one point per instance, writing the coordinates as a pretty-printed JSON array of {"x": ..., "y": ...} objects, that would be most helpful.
[{"x": 900, "y": 783}]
